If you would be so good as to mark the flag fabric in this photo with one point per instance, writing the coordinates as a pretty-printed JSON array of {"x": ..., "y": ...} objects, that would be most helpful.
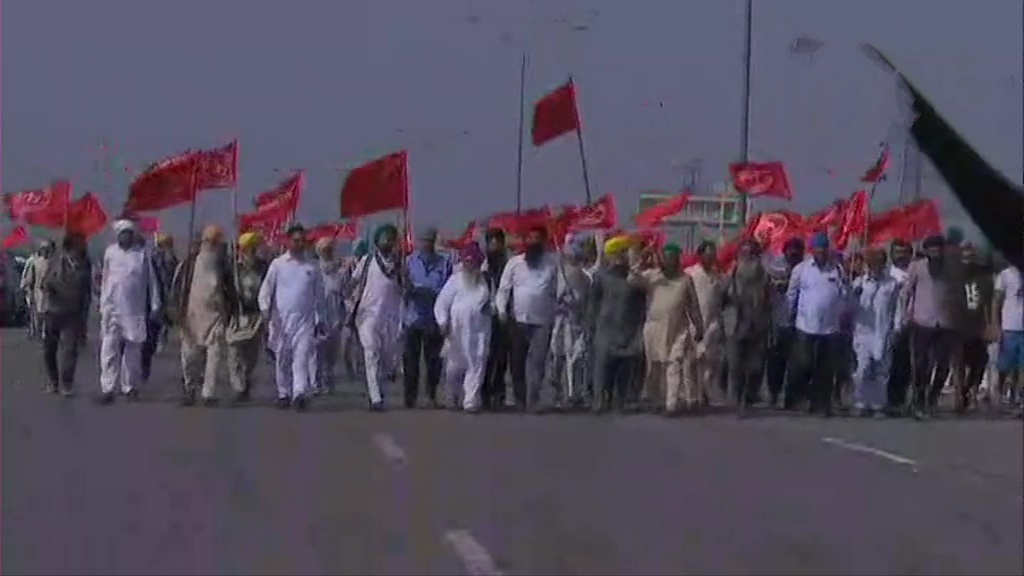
[
  {"x": 773, "y": 229},
  {"x": 148, "y": 224},
  {"x": 285, "y": 196},
  {"x": 877, "y": 172},
  {"x": 218, "y": 167},
  {"x": 555, "y": 114},
  {"x": 518, "y": 224},
  {"x": 908, "y": 223},
  {"x": 15, "y": 238},
  {"x": 167, "y": 183},
  {"x": 768, "y": 179},
  {"x": 656, "y": 215},
  {"x": 993, "y": 202},
  {"x": 347, "y": 231},
  {"x": 467, "y": 237},
  {"x": 854, "y": 223},
  {"x": 43, "y": 207},
  {"x": 599, "y": 215},
  {"x": 86, "y": 216},
  {"x": 380, "y": 185}
]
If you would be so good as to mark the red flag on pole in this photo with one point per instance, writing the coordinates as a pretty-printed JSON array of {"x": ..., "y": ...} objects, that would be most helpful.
[
  {"x": 656, "y": 215},
  {"x": 555, "y": 114},
  {"x": 599, "y": 215},
  {"x": 218, "y": 168},
  {"x": 761, "y": 179},
  {"x": 876, "y": 173},
  {"x": 377, "y": 186},
  {"x": 42, "y": 207},
  {"x": 166, "y": 183},
  {"x": 16, "y": 237},
  {"x": 86, "y": 216}
]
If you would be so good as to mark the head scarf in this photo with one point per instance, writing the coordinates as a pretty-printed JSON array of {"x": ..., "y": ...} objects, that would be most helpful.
[
  {"x": 954, "y": 235},
  {"x": 163, "y": 239},
  {"x": 617, "y": 245},
  {"x": 819, "y": 241},
  {"x": 471, "y": 253},
  {"x": 249, "y": 240},
  {"x": 382, "y": 230},
  {"x": 212, "y": 233},
  {"x": 672, "y": 249},
  {"x": 123, "y": 226}
]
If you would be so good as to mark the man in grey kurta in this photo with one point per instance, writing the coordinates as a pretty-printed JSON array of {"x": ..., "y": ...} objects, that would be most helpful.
[
  {"x": 747, "y": 320},
  {"x": 617, "y": 308}
]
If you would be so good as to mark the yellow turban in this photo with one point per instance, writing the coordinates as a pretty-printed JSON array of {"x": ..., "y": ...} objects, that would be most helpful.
[
  {"x": 163, "y": 239},
  {"x": 249, "y": 240},
  {"x": 617, "y": 245},
  {"x": 212, "y": 234}
]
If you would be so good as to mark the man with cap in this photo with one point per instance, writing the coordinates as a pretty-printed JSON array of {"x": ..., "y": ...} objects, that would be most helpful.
[
  {"x": 875, "y": 316},
  {"x": 130, "y": 298},
  {"x": 68, "y": 288},
  {"x": 817, "y": 295},
  {"x": 246, "y": 329},
  {"x": 335, "y": 280},
  {"x": 933, "y": 299},
  {"x": 32, "y": 287},
  {"x": 568, "y": 337},
  {"x": 781, "y": 342},
  {"x": 203, "y": 293},
  {"x": 290, "y": 300},
  {"x": 426, "y": 271},
  {"x": 710, "y": 350},
  {"x": 377, "y": 310},
  {"x": 528, "y": 288},
  {"x": 747, "y": 322},
  {"x": 617, "y": 309},
  {"x": 671, "y": 328},
  {"x": 463, "y": 312}
]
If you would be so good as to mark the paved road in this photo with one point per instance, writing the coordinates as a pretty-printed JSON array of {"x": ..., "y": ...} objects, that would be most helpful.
[{"x": 155, "y": 489}]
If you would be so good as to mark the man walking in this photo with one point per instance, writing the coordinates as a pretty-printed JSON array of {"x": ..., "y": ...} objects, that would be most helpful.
[
  {"x": 68, "y": 288},
  {"x": 427, "y": 272}
]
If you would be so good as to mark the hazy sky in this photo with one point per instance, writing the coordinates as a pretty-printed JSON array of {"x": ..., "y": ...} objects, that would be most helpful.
[{"x": 325, "y": 85}]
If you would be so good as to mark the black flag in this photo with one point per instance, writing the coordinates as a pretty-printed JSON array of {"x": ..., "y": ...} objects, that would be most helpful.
[{"x": 994, "y": 203}]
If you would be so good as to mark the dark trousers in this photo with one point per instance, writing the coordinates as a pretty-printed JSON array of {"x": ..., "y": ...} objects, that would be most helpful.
[
  {"x": 900, "y": 373},
  {"x": 425, "y": 344},
  {"x": 778, "y": 361},
  {"x": 932, "y": 351},
  {"x": 812, "y": 373},
  {"x": 149, "y": 348},
  {"x": 529, "y": 345},
  {"x": 62, "y": 337},
  {"x": 613, "y": 379},
  {"x": 745, "y": 365},
  {"x": 975, "y": 361},
  {"x": 492, "y": 394}
]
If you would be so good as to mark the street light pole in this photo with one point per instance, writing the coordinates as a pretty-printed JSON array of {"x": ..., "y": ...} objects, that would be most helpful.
[{"x": 745, "y": 134}]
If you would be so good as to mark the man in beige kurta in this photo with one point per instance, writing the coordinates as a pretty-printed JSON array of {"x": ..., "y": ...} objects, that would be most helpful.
[
  {"x": 205, "y": 278},
  {"x": 711, "y": 350},
  {"x": 672, "y": 326}
]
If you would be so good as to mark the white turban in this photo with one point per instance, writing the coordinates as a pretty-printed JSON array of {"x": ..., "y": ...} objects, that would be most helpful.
[{"x": 123, "y": 226}]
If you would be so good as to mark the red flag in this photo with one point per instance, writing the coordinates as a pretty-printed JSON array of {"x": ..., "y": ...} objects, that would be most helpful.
[
  {"x": 876, "y": 173},
  {"x": 519, "y": 224},
  {"x": 283, "y": 197},
  {"x": 166, "y": 183},
  {"x": 218, "y": 168},
  {"x": 148, "y": 224},
  {"x": 555, "y": 114},
  {"x": 375, "y": 187},
  {"x": 909, "y": 223},
  {"x": 656, "y": 215},
  {"x": 761, "y": 179},
  {"x": 600, "y": 215},
  {"x": 86, "y": 216},
  {"x": 16, "y": 237},
  {"x": 467, "y": 237},
  {"x": 43, "y": 207},
  {"x": 773, "y": 229},
  {"x": 407, "y": 245},
  {"x": 855, "y": 220},
  {"x": 345, "y": 231}
]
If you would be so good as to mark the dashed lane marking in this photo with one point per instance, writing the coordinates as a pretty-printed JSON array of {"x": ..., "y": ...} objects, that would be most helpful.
[
  {"x": 865, "y": 449},
  {"x": 389, "y": 448},
  {"x": 473, "y": 555}
]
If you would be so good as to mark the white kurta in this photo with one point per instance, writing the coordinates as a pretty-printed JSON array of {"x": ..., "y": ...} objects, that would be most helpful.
[
  {"x": 290, "y": 296},
  {"x": 875, "y": 315},
  {"x": 378, "y": 323},
  {"x": 129, "y": 296},
  {"x": 463, "y": 307},
  {"x": 335, "y": 276}
]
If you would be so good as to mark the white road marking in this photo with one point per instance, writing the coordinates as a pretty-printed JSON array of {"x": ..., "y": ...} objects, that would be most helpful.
[
  {"x": 391, "y": 450},
  {"x": 853, "y": 447},
  {"x": 473, "y": 555}
]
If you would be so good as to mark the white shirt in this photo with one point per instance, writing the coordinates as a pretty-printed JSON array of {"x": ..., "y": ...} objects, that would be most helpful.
[
  {"x": 818, "y": 295},
  {"x": 1009, "y": 283},
  {"x": 381, "y": 295},
  {"x": 292, "y": 286},
  {"x": 533, "y": 290}
]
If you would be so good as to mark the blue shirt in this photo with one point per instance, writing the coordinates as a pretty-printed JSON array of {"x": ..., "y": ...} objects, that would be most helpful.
[
  {"x": 427, "y": 275},
  {"x": 818, "y": 297}
]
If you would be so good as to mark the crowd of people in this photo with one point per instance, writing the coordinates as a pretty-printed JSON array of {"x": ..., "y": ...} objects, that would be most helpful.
[{"x": 605, "y": 325}]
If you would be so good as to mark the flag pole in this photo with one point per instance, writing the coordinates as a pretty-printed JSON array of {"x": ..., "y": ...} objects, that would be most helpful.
[
  {"x": 522, "y": 120},
  {"x": 748, "y": 56},
  {"x": 884, "y": 149},
  {"x": 579, "y": 139}
]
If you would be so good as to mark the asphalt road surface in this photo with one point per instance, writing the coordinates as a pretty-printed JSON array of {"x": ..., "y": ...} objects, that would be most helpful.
[{"x": 154, "y": 488}]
